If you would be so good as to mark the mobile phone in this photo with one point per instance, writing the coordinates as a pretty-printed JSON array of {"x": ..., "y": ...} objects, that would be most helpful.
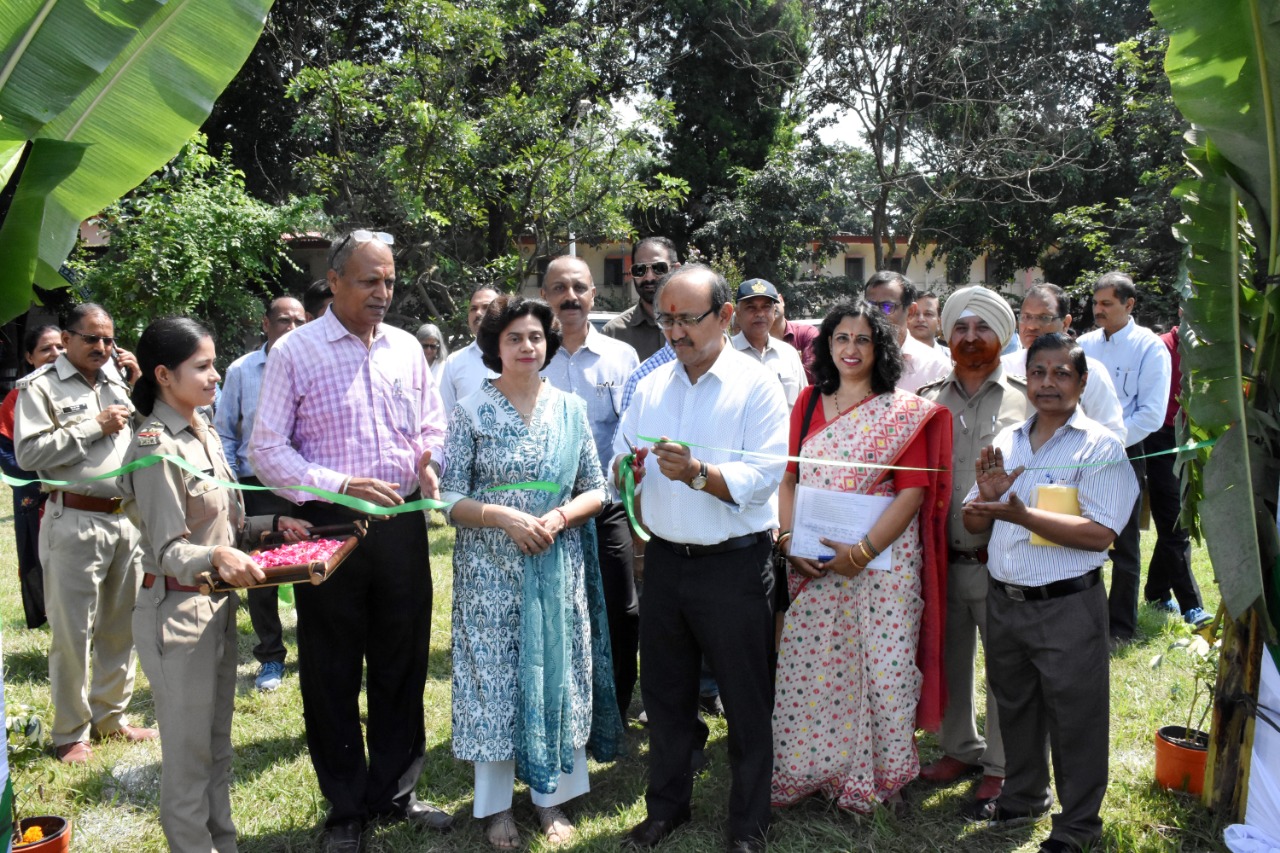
[{"x": 126, "y": 373}]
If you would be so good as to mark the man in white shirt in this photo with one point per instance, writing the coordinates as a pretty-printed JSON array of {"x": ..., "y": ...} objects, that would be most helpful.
[
  {"x": 895, "y": 295},
  {"x": 595, "y": 367},
  {"x": 1047, "y": 654},
  {"x": 464, "y": 371},
  {"x": 1139, "y": 366},
  {"x": 708, "y": 580},
  {"x": 1044, "y": 312},
  {"x": 756, "y": 310}
]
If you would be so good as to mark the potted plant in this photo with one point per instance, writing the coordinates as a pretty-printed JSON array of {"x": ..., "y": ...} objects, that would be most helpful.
[
  {"x": 33, "y": 834},
  {"x": 1181, "y": 750}
]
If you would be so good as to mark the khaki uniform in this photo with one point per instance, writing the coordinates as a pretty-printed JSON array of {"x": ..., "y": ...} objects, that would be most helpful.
[
  {"x": 90, "y": 557},
  {"x": 1000, "y": 402},
  {"x": 187, "y": 640}
]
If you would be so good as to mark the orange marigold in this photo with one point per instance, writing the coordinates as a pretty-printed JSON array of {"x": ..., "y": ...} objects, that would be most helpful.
[{"x": 32, "y": 834}]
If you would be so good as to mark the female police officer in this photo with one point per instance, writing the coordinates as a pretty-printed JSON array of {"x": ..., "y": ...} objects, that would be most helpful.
[{"x": 187, "y": 641}]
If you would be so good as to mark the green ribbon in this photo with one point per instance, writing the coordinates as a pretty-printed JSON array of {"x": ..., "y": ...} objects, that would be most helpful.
[
  {"x": 629, "y": 496},
  {"x": 358, "y": 504},
  {"x": 774, "y": 457}
]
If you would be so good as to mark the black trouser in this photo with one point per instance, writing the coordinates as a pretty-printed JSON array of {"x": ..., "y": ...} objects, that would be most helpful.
[
  {"x": 1170, "y": 568},
  {"x": 622, "y": 606},
  {"x": 264, "y": 602},
  {"x": 374, "y": 611},
  {"x": 1048, "y": 666},
  {"x": 718, "y": 605},
  {"x": 1125, "y": 554},
  {"x": 27, "y": 501}
]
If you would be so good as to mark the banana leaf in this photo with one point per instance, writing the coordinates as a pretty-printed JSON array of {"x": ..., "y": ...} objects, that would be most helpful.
[{"x": 131, "y": 118}]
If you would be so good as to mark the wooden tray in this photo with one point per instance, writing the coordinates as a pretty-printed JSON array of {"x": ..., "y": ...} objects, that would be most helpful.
[{"x": 314, "y": 572}]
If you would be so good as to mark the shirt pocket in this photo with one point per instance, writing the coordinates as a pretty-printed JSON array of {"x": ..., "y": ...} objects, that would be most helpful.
[
  {"x": 1126, "y": 381},
  {"x": 205, "y": 499}
]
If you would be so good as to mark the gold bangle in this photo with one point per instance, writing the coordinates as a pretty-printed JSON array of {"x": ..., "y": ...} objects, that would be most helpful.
[
  {"x": 866, "y": 540},
  {"x": 852, "y": 560},
  {"x": 483, "y": 507},
  {"x": 862, "y": 546},
  {"x": 783, "y": 538}
]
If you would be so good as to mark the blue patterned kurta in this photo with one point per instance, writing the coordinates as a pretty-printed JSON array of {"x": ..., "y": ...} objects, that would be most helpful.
[{"x": 488, "y": 445}]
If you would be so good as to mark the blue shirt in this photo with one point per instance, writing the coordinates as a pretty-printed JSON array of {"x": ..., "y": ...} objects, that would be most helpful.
[
  {"x": 596, "y": 373},
  {"x": 646, "y": 367},
  {"x": 237, "y": 409},
  {"x": 1138, "y": 362},
  {"x": 1069, "y": 458}
]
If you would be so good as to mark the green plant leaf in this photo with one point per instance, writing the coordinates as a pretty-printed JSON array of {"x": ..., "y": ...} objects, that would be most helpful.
[
  {"x": 1224, "y": 69},
  {"x": 134, "y": 117},
  {"x": 48, "y": 165},
  {"x": 1228, "y": 501},
  {"x": 53, "y": 49}
]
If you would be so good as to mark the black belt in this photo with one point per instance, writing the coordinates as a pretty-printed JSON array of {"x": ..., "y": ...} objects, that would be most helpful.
[
  {"x": 1057, "y": 589},
  {"x": 737, "y": 543},
  {"x": 977, "y": 555}
]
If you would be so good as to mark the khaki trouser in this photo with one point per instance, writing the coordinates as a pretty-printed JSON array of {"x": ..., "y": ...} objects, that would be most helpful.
[
  {"x": 187, "y": 645},
  {"x": 967, "y": 582},
  {"x": 91, "y": 577}
]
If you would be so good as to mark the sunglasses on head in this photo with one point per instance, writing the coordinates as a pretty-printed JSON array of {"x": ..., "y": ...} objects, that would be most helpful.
[{"x": 359, "y": 236}]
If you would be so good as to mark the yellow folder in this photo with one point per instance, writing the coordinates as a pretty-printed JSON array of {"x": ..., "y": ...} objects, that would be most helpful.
[{"x": 1055, "y": 498}]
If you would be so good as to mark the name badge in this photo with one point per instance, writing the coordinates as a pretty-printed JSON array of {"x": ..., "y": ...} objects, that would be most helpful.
[{"x": 71, "y": 410}]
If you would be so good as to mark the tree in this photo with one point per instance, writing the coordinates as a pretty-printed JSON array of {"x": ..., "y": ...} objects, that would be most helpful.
[
  {"x": 93, "y": 98},
  {"x": 488, "y": 126},
  {"x": 1222, "y": 71},
  {"x": 191, "y": 241}
]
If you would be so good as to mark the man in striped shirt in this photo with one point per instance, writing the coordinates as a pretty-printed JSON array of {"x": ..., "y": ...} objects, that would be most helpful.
[{"x": 1047, "y": 642}]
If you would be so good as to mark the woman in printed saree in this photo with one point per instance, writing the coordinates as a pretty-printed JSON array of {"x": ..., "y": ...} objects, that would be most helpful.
[
  {"x": 859, "y": 667},
  {"x": 532, "y": 676}
]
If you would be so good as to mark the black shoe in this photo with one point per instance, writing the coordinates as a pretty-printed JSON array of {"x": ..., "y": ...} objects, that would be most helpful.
[
  {"x": 650, "y": 831},
  {"x": 990, "y": 811},
  {"x": 346, "y": 837},
  {"x": 746, "y": 845},
  {"x": 711, "y": 705},
  {"x": 1057, "y": 845},
  {"x": 426, "y": 816}
]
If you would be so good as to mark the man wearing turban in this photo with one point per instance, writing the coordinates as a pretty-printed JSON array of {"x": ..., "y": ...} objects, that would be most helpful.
[{"x": 977, "y": 323}]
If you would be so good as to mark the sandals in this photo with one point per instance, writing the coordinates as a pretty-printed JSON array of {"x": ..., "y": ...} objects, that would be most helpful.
[
  {"x": 501, "y": 831},
  {"x": 555, "y": 826}
]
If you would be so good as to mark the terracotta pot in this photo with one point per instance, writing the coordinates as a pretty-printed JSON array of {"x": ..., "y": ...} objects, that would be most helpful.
[
  {"x": 1179, "y": 763},
  {"x": 57, "y": 835}
]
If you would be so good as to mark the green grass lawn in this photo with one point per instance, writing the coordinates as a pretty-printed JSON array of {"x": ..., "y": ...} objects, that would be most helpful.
[{"x": 278, "y": 807}]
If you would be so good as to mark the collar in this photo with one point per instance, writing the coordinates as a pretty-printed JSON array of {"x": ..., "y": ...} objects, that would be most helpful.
[
  {"x": 996, "y": 377},
  {"x": 640, "y": 318},
  {"x": 66, "y": 370},
  {"x": 721, "y": 368},
  {"x": 740, "y": 342},
  {"x": 1072, "y": 423},
  {"x": 169, "y": 416},
  {"x": 333, "y": 329},
  {"x": 1124, "y": 332}
]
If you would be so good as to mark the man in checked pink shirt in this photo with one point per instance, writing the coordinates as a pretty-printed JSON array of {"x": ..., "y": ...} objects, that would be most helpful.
[{"x": 348, "y": 404}]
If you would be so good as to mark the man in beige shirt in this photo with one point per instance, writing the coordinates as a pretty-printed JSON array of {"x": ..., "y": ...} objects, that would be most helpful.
[
  {"x": 73, "y": 422},
  {"x": 983, "y": 400},
  {"x": 651, "y": 259}
]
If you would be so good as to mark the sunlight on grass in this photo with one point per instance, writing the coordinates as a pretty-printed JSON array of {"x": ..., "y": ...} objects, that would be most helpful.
[{"x": 278, "y": 807}]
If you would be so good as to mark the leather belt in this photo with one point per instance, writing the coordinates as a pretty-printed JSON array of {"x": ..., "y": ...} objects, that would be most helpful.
[
  {"x": 170, "y": 583},
  {"x": 89, "y": 504},
  {"x": 1057, "y": 589},
  {"x": 737, "y": 543},
  {"x": 977, "y": 555}
]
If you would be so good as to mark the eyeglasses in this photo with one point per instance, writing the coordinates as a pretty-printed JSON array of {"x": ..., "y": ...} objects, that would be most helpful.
[
  {"x": 886, "y": 307},
  {"x": 94, "y": 340},
  {"x": 667, "y": 322},
  {"x": 431, "y": 346},
  {"x": 660, "y": 268},
  {"x": 359, "y": 236},
  {"x": 1038, "y": 319}
]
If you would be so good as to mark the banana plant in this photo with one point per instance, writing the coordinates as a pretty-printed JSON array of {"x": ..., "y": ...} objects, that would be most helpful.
[
  {"x": 95, "y": 95},
  {"x": 1223, "y": 65}
]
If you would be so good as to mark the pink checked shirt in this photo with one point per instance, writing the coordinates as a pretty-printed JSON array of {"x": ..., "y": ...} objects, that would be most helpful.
[{"x": 330, "y": 409}]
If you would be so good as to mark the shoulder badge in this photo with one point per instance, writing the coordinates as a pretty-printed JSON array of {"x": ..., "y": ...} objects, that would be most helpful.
[
  {"x": 1015, "y": 379},
  {"x": 149, "y": 435},
  {"x": 35, "y": 374}
]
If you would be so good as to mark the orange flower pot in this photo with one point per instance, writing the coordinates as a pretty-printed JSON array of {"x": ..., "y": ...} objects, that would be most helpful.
[
  {"x": 1179, "y": 763},
  {"x": 57, "y": 835}
]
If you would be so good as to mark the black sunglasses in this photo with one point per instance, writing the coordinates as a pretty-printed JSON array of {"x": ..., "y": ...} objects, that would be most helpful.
[
  {"x": 660, "y": 268},
  {"x": 93, "y": 340}
]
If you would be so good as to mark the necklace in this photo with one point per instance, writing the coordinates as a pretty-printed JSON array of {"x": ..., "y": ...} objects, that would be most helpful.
[
  {"x": 523, "y": 404},
  {"x": 841, "y": 407}
]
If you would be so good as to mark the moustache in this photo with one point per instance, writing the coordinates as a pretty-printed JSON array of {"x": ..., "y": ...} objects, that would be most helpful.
[{"x": 572, "y": 305}]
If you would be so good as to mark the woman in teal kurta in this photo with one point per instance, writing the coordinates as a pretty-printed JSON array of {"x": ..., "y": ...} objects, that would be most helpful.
[{"x": 532, "y": 678}]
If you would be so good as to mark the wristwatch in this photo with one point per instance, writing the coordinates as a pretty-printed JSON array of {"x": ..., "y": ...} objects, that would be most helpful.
[{"x": 699, "y": 481}]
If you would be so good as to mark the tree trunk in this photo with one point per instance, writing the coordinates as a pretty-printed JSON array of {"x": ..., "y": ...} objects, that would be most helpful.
[{"x": 1226, "y": 784}]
